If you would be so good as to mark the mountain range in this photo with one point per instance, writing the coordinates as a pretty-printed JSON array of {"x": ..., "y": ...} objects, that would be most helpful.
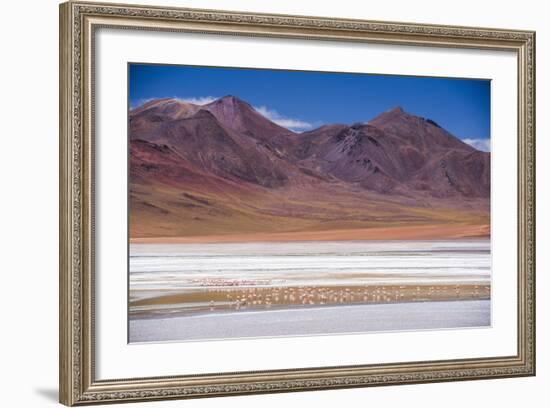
[{"x": 224, "y": 168}]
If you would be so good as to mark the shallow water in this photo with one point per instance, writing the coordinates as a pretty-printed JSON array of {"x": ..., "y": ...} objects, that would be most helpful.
[
  {"x": 160, "y": 267},
  {"x": 315, "y": 321},
  {"x": 164, "y": 269}
]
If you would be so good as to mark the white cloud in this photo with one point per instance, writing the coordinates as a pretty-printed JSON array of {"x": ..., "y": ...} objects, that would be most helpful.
[
  {"x": 139, "y": 102},
  {"x": 197, "y": 100},
  {"x": 480, "y": 144},
  {"x": 296, "y": 125},
  {"x": 292, "y": 124}
]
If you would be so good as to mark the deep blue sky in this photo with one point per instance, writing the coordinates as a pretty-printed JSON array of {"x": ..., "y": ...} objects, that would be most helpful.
[{"x": 304, "y": 100}]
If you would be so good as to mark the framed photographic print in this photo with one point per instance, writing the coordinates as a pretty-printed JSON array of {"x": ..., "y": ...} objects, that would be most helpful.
[{"x": 262, "y": 203}]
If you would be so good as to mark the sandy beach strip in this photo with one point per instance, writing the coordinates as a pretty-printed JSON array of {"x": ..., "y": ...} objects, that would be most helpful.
[
  {"x": 238, "y": 299},
  {"x": 419, "y": 232}
]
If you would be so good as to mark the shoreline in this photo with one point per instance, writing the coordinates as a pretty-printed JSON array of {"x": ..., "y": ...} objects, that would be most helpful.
[
  {"x": 285, "y": 308},
  {"x": 237, "y": 299},
  {"x": 417, "y": 232}
]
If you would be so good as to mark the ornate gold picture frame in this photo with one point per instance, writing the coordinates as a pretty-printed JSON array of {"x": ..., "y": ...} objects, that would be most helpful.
[{"x": 78, "y": 24}]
